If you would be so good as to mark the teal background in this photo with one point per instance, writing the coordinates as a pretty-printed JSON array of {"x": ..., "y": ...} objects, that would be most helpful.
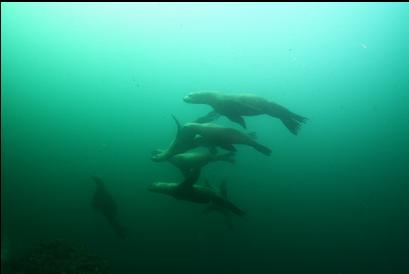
[{"x": 88, "y": 89}]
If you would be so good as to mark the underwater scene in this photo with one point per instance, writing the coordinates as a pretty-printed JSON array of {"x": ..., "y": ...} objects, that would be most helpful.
[{"x": 205, "y": 138}]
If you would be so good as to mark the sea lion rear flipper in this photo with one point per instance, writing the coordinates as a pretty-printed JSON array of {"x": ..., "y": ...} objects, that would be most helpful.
[
  {"x": 228, "y": 147},
  {"x": 223, "y": 189},
  {"x": 293, "y": 121},
  {"x": 237, "y": 119},
  {"x": 178, "y": 126}
]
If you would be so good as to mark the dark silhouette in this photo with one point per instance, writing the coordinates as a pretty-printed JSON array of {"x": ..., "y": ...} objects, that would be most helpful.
[{"x": 104, "y": 202}]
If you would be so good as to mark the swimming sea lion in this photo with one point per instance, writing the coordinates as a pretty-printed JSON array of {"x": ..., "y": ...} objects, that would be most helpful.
[
  {"x": 188, "y": 191},
  {"x": 184, "y": 139},
  {"x": 215, "y": 208},
  {"x": 197, "y": 159},
  {"x": 212, "y": 134},
  {"x": 234, "y": 106},
  {"x": 104, "y": 202}
]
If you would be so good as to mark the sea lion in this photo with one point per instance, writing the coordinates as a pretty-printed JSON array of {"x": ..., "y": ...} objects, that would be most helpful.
[
  {"x": 188, "y": 191},
  {"x": 234, "y": 106},
  {"x": 212, "y": 134},
  {"x": 197, "y": 159},
  {"x": 183, "y": 141},
  {"x": 215, "y": 208},
  {"x": 104, "y": 202}
]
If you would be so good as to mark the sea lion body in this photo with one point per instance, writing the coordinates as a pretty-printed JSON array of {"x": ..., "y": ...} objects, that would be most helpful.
[
  {"x": 224, "y": 137},
  {"x": 188, "y": 191},
  {"x": 184, "y": 139},
  {"x": 197, "y": 159},
  {"x": 236, "y": 105},
  {"x": 104, "y": 202}
]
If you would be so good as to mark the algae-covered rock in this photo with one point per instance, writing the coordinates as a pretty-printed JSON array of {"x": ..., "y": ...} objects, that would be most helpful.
[{"x": 58, "y": 257}]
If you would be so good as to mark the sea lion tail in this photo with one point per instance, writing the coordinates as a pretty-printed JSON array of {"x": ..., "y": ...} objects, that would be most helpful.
[{"x": 293, "y": 122}]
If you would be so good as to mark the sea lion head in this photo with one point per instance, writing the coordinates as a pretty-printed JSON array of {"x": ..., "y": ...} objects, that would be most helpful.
[{"x": 199, "y": 97}]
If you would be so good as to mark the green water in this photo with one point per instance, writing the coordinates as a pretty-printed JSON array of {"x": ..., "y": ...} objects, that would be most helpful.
[{"x": 89, "y": 89}]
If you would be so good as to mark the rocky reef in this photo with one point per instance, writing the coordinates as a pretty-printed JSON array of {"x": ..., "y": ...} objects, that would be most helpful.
[{"x": 58, "y": 257}]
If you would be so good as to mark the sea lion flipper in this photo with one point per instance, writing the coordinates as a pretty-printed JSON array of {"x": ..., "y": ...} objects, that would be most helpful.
[
  {"x": 210, "y": 117},
  {"x": 228, "y": 147},
  {"x": 237, "y": 119},
  {"x": 185, "y": 172},
  {"x": 191, "y": 178},
  {"x": 178, "y": 126}
]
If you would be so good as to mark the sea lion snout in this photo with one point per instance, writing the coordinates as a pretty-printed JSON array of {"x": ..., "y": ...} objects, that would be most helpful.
[
  {"x": 193, "y": 97},
  {"x": 187, "y": 98}
]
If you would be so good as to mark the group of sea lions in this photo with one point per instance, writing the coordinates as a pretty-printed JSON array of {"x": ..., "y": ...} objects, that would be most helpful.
[{"x": 203, "y": 133}]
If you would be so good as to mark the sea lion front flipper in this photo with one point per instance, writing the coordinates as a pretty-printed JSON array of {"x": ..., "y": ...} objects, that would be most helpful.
[
  {"x": 191, "y": 178},
  {"x": 237, "y": 119},
  {"x": 210, "y": 117},
  {"x": 228, "y": 147},
  {"x": 185, "y": 172}
]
